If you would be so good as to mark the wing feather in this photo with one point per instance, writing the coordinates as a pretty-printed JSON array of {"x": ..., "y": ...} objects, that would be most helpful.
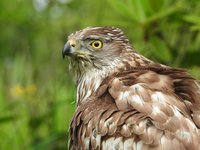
[
  {"x": 149, "y": 108},
  {"x": 158, "y": 95}
]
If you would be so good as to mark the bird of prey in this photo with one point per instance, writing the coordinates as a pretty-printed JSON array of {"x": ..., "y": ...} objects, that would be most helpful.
[{"x": 126, "y": 101}]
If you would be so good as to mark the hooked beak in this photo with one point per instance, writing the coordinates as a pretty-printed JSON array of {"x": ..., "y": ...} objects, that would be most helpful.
[{"x": 66, "y": 50}]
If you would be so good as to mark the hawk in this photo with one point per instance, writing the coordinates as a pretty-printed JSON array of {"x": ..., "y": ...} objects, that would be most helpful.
[{"x": 126, "y": 101}]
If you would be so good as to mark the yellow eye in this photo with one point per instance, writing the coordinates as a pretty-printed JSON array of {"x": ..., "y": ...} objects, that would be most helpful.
[{"x": 97, "y": 44}]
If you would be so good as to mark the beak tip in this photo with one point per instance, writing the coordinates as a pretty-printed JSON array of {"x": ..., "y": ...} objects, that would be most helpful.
[{"x": 63, "y": 54}]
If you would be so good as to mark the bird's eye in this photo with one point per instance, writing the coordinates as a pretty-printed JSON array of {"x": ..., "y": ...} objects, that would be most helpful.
[{"x": 97, "y": 44}]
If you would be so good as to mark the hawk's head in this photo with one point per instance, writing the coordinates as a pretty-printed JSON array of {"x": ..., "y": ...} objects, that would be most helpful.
[{"x": 95, "y": 47}]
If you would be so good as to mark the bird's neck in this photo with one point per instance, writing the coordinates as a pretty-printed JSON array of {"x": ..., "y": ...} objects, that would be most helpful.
[{"x": 89, "y": 81}]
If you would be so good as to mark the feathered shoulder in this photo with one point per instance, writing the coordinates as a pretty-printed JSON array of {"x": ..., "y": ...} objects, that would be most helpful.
[{"x": 146, "y": 103}]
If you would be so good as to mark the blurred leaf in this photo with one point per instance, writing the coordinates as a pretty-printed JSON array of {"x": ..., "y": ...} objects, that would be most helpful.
[
  {"x": 6, "y": 119},
  {"x": 147, "y": 7},
  {"x": 195, "y": 20},
  {"x": 122, "y": 8},
  {"x": 160, "y": 50},
  {"x": 158, "y": 5},
  {"x": 195, "y": 28},
  {"x": 192, "y": 19},
  {"x": 138, "y": 9},
  {"x": 165, "y": 12}
]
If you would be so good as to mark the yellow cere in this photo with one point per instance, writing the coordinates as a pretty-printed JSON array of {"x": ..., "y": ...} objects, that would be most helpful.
[{"x": 97, "y": 44}]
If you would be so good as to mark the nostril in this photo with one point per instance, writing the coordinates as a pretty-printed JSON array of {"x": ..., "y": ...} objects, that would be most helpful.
[{"x": 73, "y": 45}]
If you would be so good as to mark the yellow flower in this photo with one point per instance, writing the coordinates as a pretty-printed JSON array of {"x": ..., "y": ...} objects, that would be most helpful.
[
  {"x": 17, "y": 91},
  {"x": 31, "y": 89}
]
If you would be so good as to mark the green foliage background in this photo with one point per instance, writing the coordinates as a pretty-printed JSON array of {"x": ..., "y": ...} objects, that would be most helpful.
[{"x": 37, "y": 93}]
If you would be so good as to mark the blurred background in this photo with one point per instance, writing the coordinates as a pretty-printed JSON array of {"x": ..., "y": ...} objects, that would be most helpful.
[{"x": 37, "y": 94}]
